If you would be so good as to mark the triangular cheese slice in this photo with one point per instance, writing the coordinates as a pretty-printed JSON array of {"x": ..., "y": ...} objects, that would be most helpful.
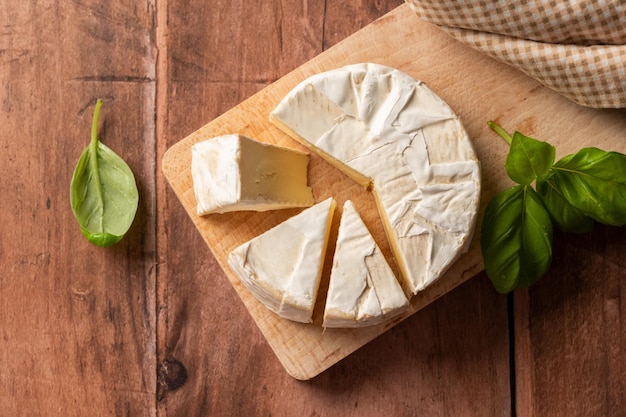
[
  {"x": 363, "y": 289},
  {"x": 282, "y": 267}
]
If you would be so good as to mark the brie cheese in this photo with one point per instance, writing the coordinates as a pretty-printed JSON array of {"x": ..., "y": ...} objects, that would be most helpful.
[
  {"x": 363, "y": 289},
  {"x": 392, "y": 134},
  {"x": 282, "y": 267},
  {"x": 234, "y": 172}
]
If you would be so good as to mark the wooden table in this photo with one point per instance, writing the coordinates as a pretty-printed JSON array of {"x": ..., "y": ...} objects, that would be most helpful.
[{"x": 152, "y": 327}]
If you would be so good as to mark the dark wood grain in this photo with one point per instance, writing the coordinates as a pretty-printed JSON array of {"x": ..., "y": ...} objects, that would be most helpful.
[
  {"x": 571, "y": 329},
  {"x": 77, "y": 323},
  {"x": 153, "y": 327}
]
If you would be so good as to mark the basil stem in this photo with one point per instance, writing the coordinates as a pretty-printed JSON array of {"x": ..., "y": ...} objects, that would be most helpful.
[{"x": 500, "y": 131}]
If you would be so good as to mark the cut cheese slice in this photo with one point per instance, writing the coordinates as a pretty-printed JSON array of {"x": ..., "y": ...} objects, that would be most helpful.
[
  {"x": 390, "y": 132},
  {"x": 234, "y": 172},
  {"x": 363, "y": 290},
  {"x": 282, "y": 267}
]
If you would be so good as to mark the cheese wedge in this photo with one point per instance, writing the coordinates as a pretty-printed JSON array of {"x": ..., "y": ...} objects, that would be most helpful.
[
  {"x": 234, "y": 172},
  {"x": 283, "y": 266},
  {"x": 392, "y": 134},
  {"x": 363, "y": 289}
]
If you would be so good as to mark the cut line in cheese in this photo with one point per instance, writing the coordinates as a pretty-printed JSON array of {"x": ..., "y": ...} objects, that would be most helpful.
[
  {"x": 282, "y": 267},
  {"x": 363, "y": 290},
  {"x": 234, "y": 172},
  {"x": 391, "y": 133}
]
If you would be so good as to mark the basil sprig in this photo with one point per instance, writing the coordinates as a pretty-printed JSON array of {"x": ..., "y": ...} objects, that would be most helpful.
[
  {"x": 571, "y": 194},
  {"x": 103, "y": 192}
]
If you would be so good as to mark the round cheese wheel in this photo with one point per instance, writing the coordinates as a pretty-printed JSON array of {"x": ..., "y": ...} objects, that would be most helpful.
[{"x": 393, "y": 134}]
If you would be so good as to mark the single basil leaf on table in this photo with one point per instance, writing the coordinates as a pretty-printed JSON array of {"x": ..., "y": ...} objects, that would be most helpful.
[
  {"x": 593, "y": 181},
  {"x": 103, "y": 192},
  {"x": 565, "y": 216},
  {"x": 516, "y": 239},
  {"x": 528, "y": 159}
]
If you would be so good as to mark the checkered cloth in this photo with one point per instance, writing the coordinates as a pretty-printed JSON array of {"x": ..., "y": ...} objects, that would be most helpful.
[{"x": 575, "y": 47}]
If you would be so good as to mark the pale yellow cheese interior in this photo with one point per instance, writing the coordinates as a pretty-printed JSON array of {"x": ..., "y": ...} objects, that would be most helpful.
[{"x": 234, "y": 172}]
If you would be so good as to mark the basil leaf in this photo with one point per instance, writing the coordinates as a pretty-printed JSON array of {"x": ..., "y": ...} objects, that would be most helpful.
[
  {"x": 103, "y": 192},
  {"x": 528, "y": 159},
  {"x": 565, "y": 216},
  {"x": 594, "y": 181},
  {"x": 516, "y": 238}
]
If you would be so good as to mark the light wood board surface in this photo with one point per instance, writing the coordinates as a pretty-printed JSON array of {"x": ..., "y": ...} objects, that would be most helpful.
[{"x": 476, "y": 87}]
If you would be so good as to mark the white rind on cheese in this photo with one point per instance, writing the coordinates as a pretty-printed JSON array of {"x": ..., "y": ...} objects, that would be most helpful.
[
  {"x": 234, "y": 172},
  {"x": 363, "y": 289},
  {"x": 282, "y": 267},
  {"x": 390, "y": 132}
]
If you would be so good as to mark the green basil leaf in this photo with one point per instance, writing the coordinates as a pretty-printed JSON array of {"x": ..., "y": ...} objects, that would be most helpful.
[
  {"x": 594, "y": 181},
  {"x": 565, "y": 216},
  {"x": 516, "y": 239},
  {"x": 103, "y": 192},
  {"x": 528, "y": 159}
]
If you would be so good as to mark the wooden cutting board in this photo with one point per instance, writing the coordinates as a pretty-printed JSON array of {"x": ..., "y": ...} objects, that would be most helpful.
[{"x": 475, "y": 86}]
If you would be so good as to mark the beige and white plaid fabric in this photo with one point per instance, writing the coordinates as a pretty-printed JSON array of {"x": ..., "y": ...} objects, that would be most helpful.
[{"x": 575, "y": 47}]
